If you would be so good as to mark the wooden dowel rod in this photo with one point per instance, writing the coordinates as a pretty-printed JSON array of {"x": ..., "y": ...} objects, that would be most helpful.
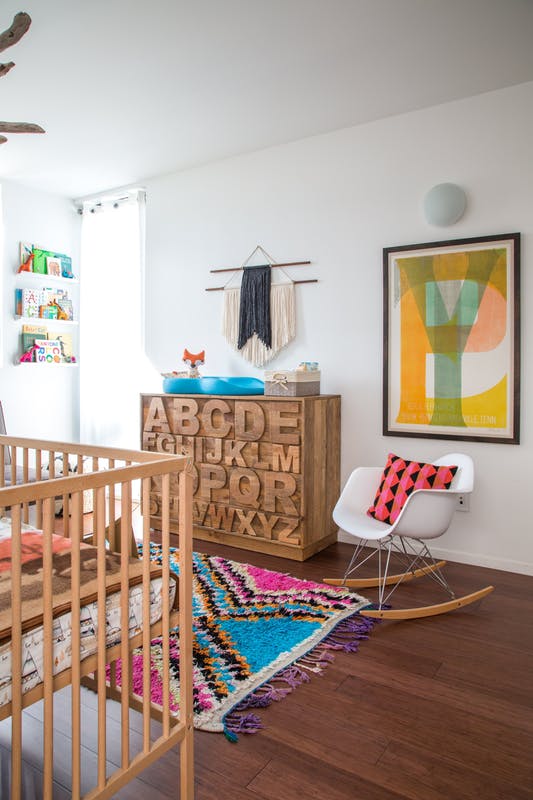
[
  {"x": 48, "y": 654},
  {"x": 99, "y": 520},
  {"x": 66, "y": 469},
  {"x": 76, "y": 536},
  {"x": 38, "y": 477},
  {"x": 16, "y": 655},
  {"x": 125, "y": 533},
  {"x": 185, "y": 634},
  {"x": 284, "y": 264},
  {"x": 13, "y": 466},
  {"x": 25, "y": 478},
  {"x": 221, "y": 288},
  {"x": 165, "y": 538},
  {"x": 146, "y": 614}
]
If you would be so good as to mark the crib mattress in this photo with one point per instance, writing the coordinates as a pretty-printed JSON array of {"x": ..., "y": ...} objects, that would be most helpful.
[{"x": 33, "y": 634}]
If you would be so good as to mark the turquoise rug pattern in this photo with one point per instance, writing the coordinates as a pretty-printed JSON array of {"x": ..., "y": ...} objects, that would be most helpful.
[{"x": 258, "y": 634}]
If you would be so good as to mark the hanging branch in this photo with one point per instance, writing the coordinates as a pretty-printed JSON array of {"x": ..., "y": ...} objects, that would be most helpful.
[
  {"x": 221, "y": 288},
  {"x": 20, "y": 127},
  {"x": 4, "y": 68},
  {"x": 19, "y": 26},
  {"x": 284, "y": 264}
]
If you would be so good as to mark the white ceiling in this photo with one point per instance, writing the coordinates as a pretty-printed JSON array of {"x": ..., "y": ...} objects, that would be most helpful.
[{"x": 128, "y": 89}]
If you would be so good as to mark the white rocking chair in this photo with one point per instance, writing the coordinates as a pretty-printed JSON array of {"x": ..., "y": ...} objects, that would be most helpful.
[{"x": 427, "y": 514}]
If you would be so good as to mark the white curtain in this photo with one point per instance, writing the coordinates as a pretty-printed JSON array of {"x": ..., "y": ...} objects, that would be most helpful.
[{"x": 113, "y": 365}]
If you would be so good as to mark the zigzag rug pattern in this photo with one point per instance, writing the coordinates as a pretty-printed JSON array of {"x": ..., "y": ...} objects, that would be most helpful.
[{"x": 257, "y": 635}]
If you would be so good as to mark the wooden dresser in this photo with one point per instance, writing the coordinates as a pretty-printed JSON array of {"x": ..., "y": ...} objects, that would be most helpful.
[{"x": 266, "y": 469}]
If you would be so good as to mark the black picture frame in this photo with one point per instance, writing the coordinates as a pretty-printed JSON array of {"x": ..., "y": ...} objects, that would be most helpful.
[{"x": 451, "y": 339}]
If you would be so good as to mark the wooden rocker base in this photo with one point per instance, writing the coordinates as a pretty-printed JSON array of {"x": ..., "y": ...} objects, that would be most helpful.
[
  {"x": 367, "y": 583},
  {"x": 428, "y": 611}
]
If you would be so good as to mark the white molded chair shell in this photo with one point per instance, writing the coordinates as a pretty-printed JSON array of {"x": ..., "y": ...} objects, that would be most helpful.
[{"x": 426, "y": 514}]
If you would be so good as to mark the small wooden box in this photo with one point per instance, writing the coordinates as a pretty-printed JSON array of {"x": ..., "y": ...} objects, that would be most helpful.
[{"x": 292, "y": 383}]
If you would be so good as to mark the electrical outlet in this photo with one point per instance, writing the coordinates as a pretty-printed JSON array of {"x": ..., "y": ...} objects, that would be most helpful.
[{"x": 463, "y": 502}]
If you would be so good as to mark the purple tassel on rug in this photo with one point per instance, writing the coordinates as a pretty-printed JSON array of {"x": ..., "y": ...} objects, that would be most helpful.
[
  {"x": 346, "y": 636},
  {"x": 235, "y": 723}
]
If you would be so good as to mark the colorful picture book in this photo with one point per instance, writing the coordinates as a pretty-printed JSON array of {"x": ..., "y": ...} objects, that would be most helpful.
[
  {"x": 44, "y": 303},
  {"x": 46, "y": 262},
  {"x": 49, "y": 351},
  {"x": 55, "y": 344},
  {"x": 28, "y": 302},
  {"x": 65, "y": 344},
  {"x": 30, "y": 333},
  {"x": 53, "y": 266}
]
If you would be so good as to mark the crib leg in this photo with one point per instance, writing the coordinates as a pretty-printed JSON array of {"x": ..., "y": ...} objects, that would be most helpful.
[{"x": 187, "y": 765}]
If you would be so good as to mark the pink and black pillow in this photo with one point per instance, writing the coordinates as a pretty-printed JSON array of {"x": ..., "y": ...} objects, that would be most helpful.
[{"x": 399, "y": 479}]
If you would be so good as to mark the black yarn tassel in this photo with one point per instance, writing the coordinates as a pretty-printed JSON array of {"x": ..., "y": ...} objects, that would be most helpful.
[{"x": 254, "y": 311}]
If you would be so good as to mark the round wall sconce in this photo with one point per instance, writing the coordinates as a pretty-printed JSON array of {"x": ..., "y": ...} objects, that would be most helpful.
[{"x": 444, "y": 204}]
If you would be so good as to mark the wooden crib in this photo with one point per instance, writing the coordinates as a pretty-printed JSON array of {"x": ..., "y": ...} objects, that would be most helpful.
[{"x": 87, "y": 566}]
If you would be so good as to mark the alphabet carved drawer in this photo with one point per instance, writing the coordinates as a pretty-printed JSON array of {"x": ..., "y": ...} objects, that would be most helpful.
[{"x": 266, "y": 470}]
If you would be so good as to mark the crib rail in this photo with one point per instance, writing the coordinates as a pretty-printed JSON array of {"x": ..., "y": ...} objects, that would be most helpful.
[{"x": 32, "y": 491}]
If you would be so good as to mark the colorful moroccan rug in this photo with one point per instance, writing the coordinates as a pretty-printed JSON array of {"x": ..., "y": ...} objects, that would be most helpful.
[{"x": 257, "y": 635}]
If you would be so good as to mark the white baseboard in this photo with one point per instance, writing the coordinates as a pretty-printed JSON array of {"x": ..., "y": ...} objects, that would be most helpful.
[{"x": 477, "y": 559}]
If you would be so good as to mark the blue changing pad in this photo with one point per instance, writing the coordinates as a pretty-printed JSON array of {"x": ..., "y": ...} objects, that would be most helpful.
[{"x": 212, "y": 385}]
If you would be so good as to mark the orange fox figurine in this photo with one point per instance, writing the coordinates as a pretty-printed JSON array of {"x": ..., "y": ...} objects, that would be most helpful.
[{"x": 194, "y": 360}]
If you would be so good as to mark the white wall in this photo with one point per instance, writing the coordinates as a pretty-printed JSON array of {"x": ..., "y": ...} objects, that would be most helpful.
[
  {"x": 41, "y": 402},
  {"x": 338, "y": 199}
]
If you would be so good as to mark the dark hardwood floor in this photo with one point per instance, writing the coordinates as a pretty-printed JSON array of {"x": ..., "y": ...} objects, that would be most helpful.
[{"x": 426, "y": 710}]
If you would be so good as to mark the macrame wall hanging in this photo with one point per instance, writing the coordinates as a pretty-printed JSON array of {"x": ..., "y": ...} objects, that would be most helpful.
[{"x": 259, "y": 316}]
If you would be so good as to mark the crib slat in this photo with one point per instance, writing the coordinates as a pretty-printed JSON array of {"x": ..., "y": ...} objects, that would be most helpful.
[
  {"x": 125, "y": 530},
  {"x": 112, "y": 539},
  {"x": 165, "y": 541},
  {"x": 94, "y": 463},
  {"x": 79, "y": 470},
  {"x": 25, "y": 478},
  {"x": 2, "y": 465},
  {"x": 112, "y": 524},
  {"x": 146, "y": 613},
  {"x": 48, "y": 659},
  {"x": 38, "y": 477},
  {"x": 76, "y": 535},
  {"x": 66, "y": 467},
  {"x": 99, "y": 517},
  {"x": 51, "y": 464},
  {"x": 16, "y": 655},
  {"x": 13, "y": 466},
  {"x": 185, "y": 633}
]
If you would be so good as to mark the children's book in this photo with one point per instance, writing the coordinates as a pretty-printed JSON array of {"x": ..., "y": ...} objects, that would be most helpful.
[
  {"x": 53, "y": 266},
  {"x": 65, "y": 344},
  {"x": 49, "y": 351},
  {"x": 66, "y": 305},
  {"x": 34, "y": 329},
  {"x": 30, "y": 333},
  {"x": 25, "y": 251},
  {"x": 40, "y": 264},
  {"x": 30, "y": 302}
]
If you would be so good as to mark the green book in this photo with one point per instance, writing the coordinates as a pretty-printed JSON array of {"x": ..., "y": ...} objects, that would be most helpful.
[
  {"x": 30, "y": 333},
  {"x": 39, "y": 262}
]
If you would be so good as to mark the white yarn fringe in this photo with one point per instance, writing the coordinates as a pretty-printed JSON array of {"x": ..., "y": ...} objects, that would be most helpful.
[{"x": 282, "y": 315}]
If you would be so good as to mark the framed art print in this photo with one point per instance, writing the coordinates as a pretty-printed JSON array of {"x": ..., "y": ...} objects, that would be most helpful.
[{"x": 451, "y": 339}]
